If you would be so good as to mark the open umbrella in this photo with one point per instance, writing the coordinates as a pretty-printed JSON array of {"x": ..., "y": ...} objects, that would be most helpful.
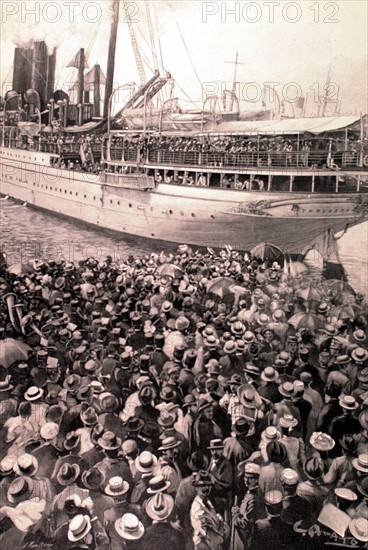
[
  {"x": 337, "y": 287},
  {"x": 309, "y": 293},
  {"x": 20, "y": 269},
  {"x": 267, "y": 251},
  {"x": 220, "y": 286},
  {"x": 170, "y": 270},
  {"x": 303, "y": 319},
  {"x": 297, "y": 268},
  {"x": 345, "y": 311},
  {"x": 12, "y": 350}
]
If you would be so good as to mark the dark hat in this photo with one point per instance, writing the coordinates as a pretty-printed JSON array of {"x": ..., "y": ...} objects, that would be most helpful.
[
  {"x": 203, "y": 404},
  {"x": 72, "y": 383},
  {"x": 67, "y": 474},
  {"x": 276, "y": 452},
  {"x": 168, "y": 394},
  {"x": 89, "y": 416},
  {"x": 202, "y": 479},
  {"x": 349, "y": 443},
  {"x": 72, "y": 441},
  {"x": 235, "y": 380},
  {"x": 108, "y": 402},
  {"x": 241, "y": 426},
  {"x": 20, "y": 489},
  {"x": 197, "y": 461},
  {"x": 134, "y": 424},
  {"x": 146, "y": 394},
  {"x": 313, "y": 468},
  {"x": 150, "y": 430}
]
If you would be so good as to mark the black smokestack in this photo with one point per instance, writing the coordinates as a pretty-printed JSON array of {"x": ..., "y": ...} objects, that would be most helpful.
[
  {"x": 51, "y": 75},
  {"x": 22, "y": 69},
  {"x": 39, "y": 75}
]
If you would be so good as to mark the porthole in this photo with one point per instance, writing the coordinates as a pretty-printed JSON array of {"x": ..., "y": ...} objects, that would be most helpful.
[
  {"x": 85, "y": 196},
  {"x": 118, "y": 203},
  {"x": 193, "y": 215},
  {"x": 170, "y": 212},
  {"x": 94, "y": 198},
  {"x": 110, "y": 201},
  {"x": 130, "y": 205}
]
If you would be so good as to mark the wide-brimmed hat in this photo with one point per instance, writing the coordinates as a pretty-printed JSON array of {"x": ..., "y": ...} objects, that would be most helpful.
[
  {"x": 79, "y": 527},
  {"x": 348, "y": 402},
  {"x": 238, "y": 328},
  {"x": 157, "y": 484},
  {"x": 134, "y": 424},
  {"x": 359, "y": 335},
  {"x": 211, "y": 341},
  {"x": 359, "y": 355},
  {"x": 202, "y": 479},
  {"x": 5, "y": 385},
  {"x": 20, "y": 489},
  {"x": 313, "y": 468},
  {"x": 168, "y": 393},
  {"x": 89, "y": 416},
  {"x": 248, "y": 337},
  {"x": 26, "y": 465},
  {"x": 182, "y": 323},
  {"x": 216, "y": 444},
  {"x": 129, "y": 527},
  {"x": 169, "y": 443},
  {"x": 230, "y": 347},
  {"x": 166, "y": 419},
  {"x": 269, "y": 374},
  {"x": 247, "y": 396},
  {"x": 363, "y": 376},
  {"x": 270, "y": 434},
  {"x": 108, "y": 402},
  {"x": 33, "y": 393},
  {"x": 345, "y": 494},
  {"x": 234, "y": 380},
  {"x": 189, "y": 400},
  {"x": 7, "y": 464},
  {"x": 72, "y": 441},
  {"x": 197, "y": 461},
  {"x": 109, "y": 441},
  {"x": 146, "y": 462},
  {"x": 160, "y": 506},
  {"x": 49, "y": 430},
  {"x": 358, "y": 527},
  {"x": 116, "y": 486},
  {"x": 67, "y": 473},
  {"x": 249, "y": 469},
  {"x": 349, "y": 443},
  {"x": 241, "y": 426},
  {"x": 322, "y": 441},
  {"x": 93, "y": 479},
  {"x": 72, "y": 383},
  {"x": 361, "y": 463},
  {"x": 287, "y": 389},
  {"x": 288, "y": 421}
]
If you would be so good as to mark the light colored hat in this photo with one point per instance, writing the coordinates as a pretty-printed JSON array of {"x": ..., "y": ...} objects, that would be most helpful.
[
  {"x": 348, "y": 402},
  {"x": 216, "y": 444},
  {"x": 321, "y": 441},
  {"x": 269, "y": 374},
  {"x": 289, "y": 477},
  {"x": 361, "y": 463},
  {"x": 160, "y": 506},
  {"x": 346, "y": 494},
  {"x": 116, "y": 486},
  {"x": 146, "y": 462},
  {"x": 49, "y": 431},
  {"x": 359, "y": 529},
  {"x": 7, "y": 464},
  {"x": 157, "y": 484},
  {"x": 129, "y": 527},
  {"x": 270, "y": 434},
  {"x": 288, "y": 421},
  {"x": 169, "y": 443},
  {"x": 359, "y": 355},
  {"x": 33, "y": 393},
  {"x": 249, "y": 469},
  {"x": 79, "y": 526}
]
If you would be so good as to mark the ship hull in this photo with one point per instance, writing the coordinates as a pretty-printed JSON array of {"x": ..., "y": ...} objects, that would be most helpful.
[{"x": 199, "y": 216}]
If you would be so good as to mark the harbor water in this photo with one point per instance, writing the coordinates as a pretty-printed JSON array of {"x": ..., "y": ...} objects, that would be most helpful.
[{"x": 27, "y": 233}]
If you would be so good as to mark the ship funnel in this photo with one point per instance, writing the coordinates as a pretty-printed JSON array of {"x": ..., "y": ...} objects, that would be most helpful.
[
  {"x": 22, "y": 69},
  {"x": 39, "y": 72}
]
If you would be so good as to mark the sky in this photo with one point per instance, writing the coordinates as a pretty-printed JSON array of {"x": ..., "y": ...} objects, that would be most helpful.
[{"x": 289, "y": 44}]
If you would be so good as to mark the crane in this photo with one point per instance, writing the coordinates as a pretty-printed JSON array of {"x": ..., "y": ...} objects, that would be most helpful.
[{"x": 137, "y": 53}]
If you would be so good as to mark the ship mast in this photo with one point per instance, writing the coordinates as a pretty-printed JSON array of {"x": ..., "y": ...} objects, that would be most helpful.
[{"x": 111, "y": 55}]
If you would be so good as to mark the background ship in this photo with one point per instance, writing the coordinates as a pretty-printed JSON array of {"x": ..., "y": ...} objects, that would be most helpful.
[{"x": 202, "y": 196}]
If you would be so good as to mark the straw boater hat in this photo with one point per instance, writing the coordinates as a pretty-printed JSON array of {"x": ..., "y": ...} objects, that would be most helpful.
[
  {"x": 79, "y": 527},
  {"x": 20, "y": 489},
  {"x": 247, "y": 396},
  {"x": 33, "y": 393},
  {"x": 269, "y": 374},
  {"x": 270, "y": 434},
  {"x": 5, "y": 385},
  {"x": 358, "y": 527},
  {"x": 216, "y": 444},
  {"x": 157, "y": 484},
  {"x": 348, "y": 402},
  {"x": 289, "y": 477},
  {"x": 169, "y": 443},
  {"x": 359, "y": 355},
  {"x": 109, "y": 441},
  {"x": 129, "y": 527},
  {"x": 321, "y": 441},
  {"x": 7, "y": 464},
  {"x": 249, "y": 469},
  {"x": 26, "y": 465},
  {"x": 361, "y": 463},
  {"x": 359, "y": 335},
  {"x": 146, "y": 462},
  {"x": 116, "y": 486},
  {"x": 160, "y": 506},
  {"x": 288, "y": 421}
]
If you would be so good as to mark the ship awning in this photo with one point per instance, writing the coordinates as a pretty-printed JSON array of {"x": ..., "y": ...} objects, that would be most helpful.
[{"x": 285, "y": 126}]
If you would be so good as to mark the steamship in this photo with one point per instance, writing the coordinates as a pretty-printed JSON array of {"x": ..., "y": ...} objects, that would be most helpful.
[{"x": 201, "y": 177}]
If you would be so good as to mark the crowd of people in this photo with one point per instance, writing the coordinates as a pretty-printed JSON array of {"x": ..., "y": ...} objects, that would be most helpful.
[{"x": 188, "y": 400}]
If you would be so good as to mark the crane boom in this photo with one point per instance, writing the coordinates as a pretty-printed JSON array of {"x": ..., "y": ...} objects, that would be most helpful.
[{"x": 137, "y": 53}]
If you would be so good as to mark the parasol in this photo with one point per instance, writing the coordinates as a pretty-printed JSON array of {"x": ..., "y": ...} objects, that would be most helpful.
[
  {"x": 303, "y": 319},
  {"x": 12, "y": 350},
  {"x": 20, "y": 269},
  {"x": 221, "y": 286},
  {"x": 170, "y": 270},
  {"x": 345, "y": 311},
  {"x": 267, "y": 251},
  {"x": 309, "y": 293}
]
